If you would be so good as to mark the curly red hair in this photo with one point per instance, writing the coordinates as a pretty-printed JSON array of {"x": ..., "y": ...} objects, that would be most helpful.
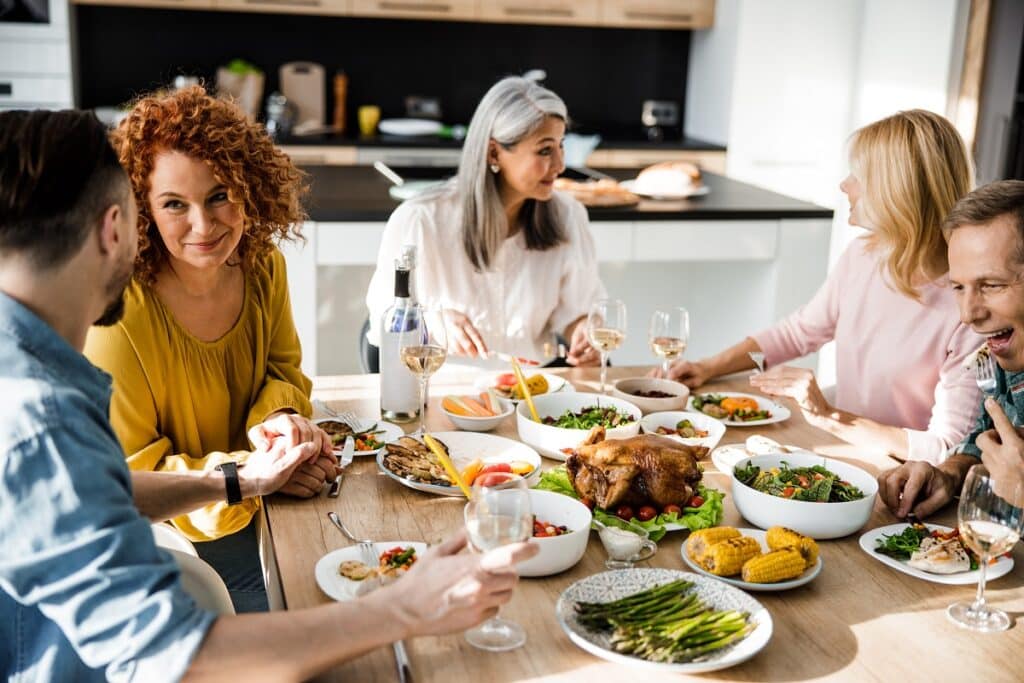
[{"x": 261, "y": 180}]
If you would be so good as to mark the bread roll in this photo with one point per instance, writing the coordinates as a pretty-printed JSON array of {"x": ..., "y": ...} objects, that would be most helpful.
[{"x": 668, "y": 178}]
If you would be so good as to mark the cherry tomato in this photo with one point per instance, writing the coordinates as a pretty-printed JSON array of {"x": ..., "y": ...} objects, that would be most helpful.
[
  {"x": 669, "y": 509},
  {"x": 506, "y": 380},
  {"x": 491, "y": 479},
  {"x": 646, "y": 513},
  {"x": 588, "y": 502},
  {"x": 495, "y": 467},
  {"x": 695, "y": 502},
  {"x": 624, "y": 512}
]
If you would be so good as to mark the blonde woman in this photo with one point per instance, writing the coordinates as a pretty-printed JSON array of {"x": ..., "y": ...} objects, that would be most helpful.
[
  {"x": 900, "y": 347},
  {"x": 510, "y": 259}
]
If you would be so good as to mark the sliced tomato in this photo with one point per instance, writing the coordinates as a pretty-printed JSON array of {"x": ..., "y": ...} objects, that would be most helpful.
[
  {"x": 506, "y": 380},
  {"x": 491, "y": 479},
  {"x": 788, "y": 492},
  {"x": 495, "y": 467},
  {"x": 803, "y": 481}
]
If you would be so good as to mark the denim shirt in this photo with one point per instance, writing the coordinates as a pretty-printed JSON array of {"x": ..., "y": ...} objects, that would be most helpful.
[
  {"x": 85, "y": 594},
  {"x": 1009, "y": 395}
]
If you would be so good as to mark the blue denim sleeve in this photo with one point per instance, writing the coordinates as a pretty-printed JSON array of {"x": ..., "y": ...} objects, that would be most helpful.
[{"x": 75, "y": 546}]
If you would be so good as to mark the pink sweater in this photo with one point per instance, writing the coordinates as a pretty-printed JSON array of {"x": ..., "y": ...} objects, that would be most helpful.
[{"x": 898, "y": 362}]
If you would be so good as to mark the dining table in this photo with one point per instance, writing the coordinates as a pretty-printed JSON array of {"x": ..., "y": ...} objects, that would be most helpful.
[{"x": 858, "y": 620}]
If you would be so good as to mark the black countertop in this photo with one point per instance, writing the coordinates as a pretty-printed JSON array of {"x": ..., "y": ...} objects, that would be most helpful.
[
  {"x": 360, "y": 193},
  {"x": 622, "y": 139}
]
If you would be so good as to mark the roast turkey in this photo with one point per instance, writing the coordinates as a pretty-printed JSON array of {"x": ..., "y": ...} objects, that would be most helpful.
[{"x": 643, "y": 470}]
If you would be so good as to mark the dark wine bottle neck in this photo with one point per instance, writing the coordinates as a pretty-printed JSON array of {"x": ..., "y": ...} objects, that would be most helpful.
[{"x": 401, "y": 284}]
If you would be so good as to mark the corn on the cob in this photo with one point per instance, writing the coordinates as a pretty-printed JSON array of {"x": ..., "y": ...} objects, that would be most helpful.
[
  {"x": 727, "y": 557},
  {"x": 780, "y": 537},
  {"x": 699, "y": 541},
  {"x": 778, "y": 565}
]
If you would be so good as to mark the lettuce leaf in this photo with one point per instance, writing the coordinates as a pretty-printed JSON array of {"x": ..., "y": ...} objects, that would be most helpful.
[{"x": 707, "y": 515}]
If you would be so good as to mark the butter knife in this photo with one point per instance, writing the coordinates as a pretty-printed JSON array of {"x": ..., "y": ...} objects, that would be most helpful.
[
  {"x": 344, "y": 460},
  {"x": 402, "y": 661}
]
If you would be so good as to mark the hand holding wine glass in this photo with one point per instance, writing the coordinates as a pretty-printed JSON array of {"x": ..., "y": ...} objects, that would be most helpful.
[
  {"x": 990, "y": 525},
  {"x": 423, "y": 347},
  {"x": 497, "y": 515},
  {"x": 669, "y": 335},
  {"x": 606, "y": 327}
]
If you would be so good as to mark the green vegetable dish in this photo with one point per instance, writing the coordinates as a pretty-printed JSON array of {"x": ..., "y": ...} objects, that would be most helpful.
[
  {"x": 590, "y": 417},
  {"x": 811, "y": 484}
]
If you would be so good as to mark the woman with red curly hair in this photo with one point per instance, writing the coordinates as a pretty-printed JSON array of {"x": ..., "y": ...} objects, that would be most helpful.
[{"x": 206, "y": 356}]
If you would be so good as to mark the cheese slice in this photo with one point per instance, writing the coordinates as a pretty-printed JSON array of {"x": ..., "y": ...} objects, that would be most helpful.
[{"x": 941, "y": 557}]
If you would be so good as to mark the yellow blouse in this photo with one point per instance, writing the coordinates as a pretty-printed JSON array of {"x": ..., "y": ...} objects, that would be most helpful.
[{"x": 183, "y": 404}]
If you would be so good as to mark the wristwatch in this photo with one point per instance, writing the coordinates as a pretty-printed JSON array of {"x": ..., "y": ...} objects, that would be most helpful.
[{"x": 234, "y": 489}]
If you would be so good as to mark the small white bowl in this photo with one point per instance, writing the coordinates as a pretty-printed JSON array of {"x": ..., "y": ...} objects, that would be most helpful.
[
  {"x": 557, "y": 553},
  {"x": 817, "y": 520},
  {"x": 624, "y": 389},
  {"x": 549, "y": 440},
  {"x": 482, "y": 424},
  {"x": 669, "y": 419}
]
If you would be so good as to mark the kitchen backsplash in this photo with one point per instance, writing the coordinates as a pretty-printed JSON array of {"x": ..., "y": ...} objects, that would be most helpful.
[{"x": 603, "y": 74}]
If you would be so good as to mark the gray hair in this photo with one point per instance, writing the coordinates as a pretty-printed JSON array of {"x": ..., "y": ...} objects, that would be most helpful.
[{"x": 511, "y": 110}]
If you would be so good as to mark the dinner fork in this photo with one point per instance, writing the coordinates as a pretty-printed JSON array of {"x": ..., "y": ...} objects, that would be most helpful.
[
  {"x": 365, "y": 544},
  {"x": 985, "y": 374}
]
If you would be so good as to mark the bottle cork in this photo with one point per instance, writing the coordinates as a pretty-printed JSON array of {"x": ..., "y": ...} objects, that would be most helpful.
[{"x": 340, "y": 94}]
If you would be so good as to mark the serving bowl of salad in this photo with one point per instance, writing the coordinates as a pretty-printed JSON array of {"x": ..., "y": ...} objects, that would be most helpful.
[
  {"x": 566, "y": 419},
  {"x": 809, "y": 493}
]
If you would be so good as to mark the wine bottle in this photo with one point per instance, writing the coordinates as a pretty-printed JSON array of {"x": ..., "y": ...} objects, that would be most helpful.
[{"x": 399, "y": 390}]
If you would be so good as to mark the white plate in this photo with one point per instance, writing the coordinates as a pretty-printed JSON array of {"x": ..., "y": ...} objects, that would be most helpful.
[
  {"x": 608, "y": 586},
  {"x": 391, "y": 432},
  {"x": 868, "y": 542},
  {"x": 337, "y": 586},
  {"x": 697, "y": 191},
  {"x": 555, "y": 383},
  {"x": 463, "y": 448},
  {"x": 725, "y": 457},
  {"x": 780, "y": 413},
  {"x": 409, "y": 127},
  {"x": 809, "y": 574}
]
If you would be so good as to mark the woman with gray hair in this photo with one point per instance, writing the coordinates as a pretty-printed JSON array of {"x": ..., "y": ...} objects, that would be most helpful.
[{"x": 509, "y": 259}]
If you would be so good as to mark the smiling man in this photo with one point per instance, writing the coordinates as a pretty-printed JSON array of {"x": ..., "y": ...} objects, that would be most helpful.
[{"x": 985, "y": 234}]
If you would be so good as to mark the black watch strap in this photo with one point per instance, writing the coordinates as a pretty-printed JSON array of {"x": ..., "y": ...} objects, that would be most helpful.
[{"x": 234, "y": 489}]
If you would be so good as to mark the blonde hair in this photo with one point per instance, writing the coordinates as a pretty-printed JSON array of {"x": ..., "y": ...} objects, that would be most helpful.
[{"x": 913, "y": 167}]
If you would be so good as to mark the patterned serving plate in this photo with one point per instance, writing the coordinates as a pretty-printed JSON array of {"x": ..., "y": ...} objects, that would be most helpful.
[{"x": 608, "y": 586}]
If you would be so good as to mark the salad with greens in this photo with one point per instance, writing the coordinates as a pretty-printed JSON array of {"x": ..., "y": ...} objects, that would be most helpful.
[
  {"x": 590, "y": 417},
  {"x": 812, "y": 484},
  {"x": 703, "y": 510}
]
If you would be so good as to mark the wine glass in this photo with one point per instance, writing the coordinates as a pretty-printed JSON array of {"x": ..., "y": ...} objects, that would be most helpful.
[
  {"x": 606, "y": 328},
  {"x": 423, "y": 347},
  {"x": 669, "y": 334},
  {"x": 497, "y": 515},
  {"x": 991, "y": 521}
]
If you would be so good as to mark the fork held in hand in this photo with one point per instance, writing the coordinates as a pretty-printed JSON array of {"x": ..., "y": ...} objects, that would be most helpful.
[{"x": 985, "y": 374}]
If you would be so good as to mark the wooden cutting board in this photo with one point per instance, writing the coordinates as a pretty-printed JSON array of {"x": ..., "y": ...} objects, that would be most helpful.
[{"x": 303, "y": 84}]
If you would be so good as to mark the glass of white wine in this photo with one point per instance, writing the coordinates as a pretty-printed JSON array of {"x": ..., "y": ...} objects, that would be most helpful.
[
  {"x": 991, "y": 521},
  {"x": 497, "y": 515},
  {"x": 423, "y": 348},
  {"x": 606, "y": 329},
  {"x": 669, "y": 334}
]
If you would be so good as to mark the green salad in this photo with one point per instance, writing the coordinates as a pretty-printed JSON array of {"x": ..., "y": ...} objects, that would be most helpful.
[
  {"x": 590, "y": 417},
  {"x": 812, "y": 484},
  {"x": 708, "y": 514}
]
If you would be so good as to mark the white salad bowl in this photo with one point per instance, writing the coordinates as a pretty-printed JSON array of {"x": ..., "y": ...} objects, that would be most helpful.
[
  {"x": 557, "y": 553},
  {"x": 669, "y": 419},
  {"x": 624, "y": 389},
  {"x": 549, "y": 440},
  {"x": 817, "y": 520}
]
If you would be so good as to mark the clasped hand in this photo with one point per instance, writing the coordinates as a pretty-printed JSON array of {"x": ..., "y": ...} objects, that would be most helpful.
[{"x": 278, "y": 437}]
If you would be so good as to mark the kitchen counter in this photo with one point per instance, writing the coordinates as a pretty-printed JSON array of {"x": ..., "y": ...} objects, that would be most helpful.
[
  {"x": 360, "y": 193},
  {"x": 738, "y": 258}
]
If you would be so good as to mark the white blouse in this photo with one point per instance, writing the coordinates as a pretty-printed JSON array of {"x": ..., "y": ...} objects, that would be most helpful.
[{"x": 518, "y": 302}]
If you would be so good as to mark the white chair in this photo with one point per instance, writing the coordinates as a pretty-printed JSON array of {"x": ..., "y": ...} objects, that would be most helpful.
[
  {"x": 199, "y": 579},
  {"x": 168, "y": 537}
]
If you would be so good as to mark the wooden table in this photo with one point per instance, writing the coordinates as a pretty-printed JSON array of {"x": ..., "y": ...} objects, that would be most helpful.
[{"x": 858, "y": 621}]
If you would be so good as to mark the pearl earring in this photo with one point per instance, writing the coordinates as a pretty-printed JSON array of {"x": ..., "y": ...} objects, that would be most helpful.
[{"x": 495, "y": 168}]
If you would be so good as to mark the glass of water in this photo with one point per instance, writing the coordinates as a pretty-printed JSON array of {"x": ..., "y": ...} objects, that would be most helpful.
[{"x": 498, "y": 515}]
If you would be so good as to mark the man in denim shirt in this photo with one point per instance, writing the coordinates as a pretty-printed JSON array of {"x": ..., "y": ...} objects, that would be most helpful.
[
  {"x": 985, "y": 232},
  {"x": 84, "y": 592}
]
